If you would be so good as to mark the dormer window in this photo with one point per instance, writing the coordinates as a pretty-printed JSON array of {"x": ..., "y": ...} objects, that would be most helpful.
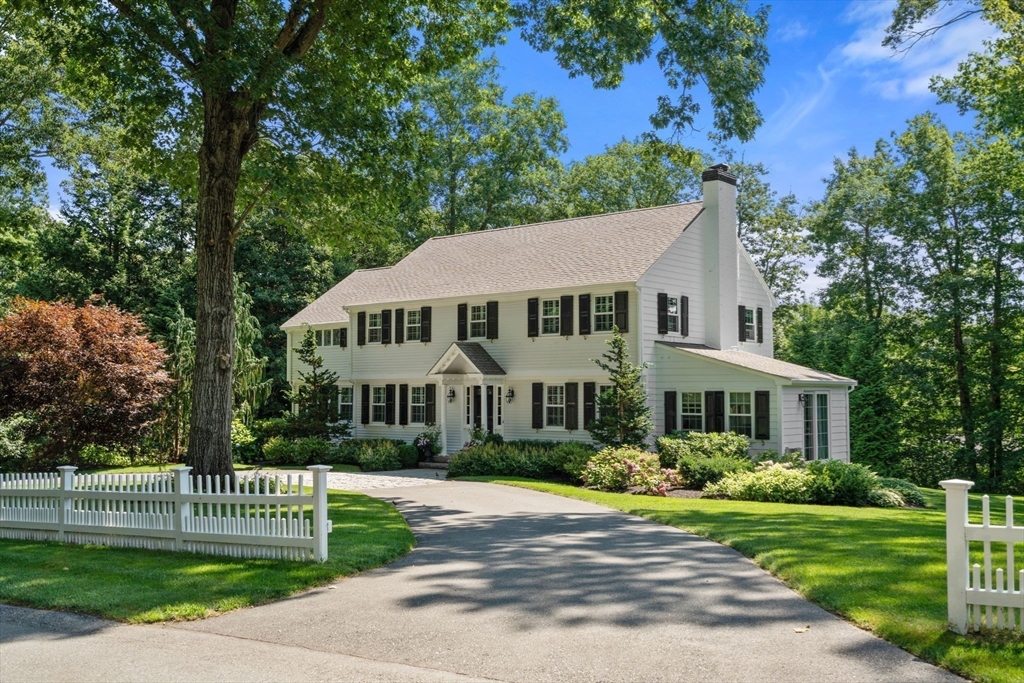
[
  {"x": 550, "y": 316},
  {"x": 478, "y": 322},
  {"x": 373, "y": 328}
]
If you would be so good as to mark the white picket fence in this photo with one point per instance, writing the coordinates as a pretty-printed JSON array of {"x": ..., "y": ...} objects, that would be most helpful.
[
  {"x": 1003, "y": 602},
  {"x": 258, "y": 516}
]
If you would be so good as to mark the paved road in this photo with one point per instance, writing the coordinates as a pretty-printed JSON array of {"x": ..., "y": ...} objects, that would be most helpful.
[{"x": 506, "y": 584}]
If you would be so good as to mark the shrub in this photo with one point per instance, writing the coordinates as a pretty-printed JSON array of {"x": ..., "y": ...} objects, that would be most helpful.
[
  {"x": 886, "y": 498},
  {"x": 244, "y": 447},
  {"x": 572, "y": 457},
  {"x": 698, "y": 472},
  {"x": 408, "y": 455},
  {"x": 911, "y": 494},
  {"x": 15, "y": 453},
  {"x": 616, "y": 469},
  {"x": 841, "y": 483},
  {"x": 701, "y": 445},
  {"x": 347, "y": 452},
  {"x": 378, "y": 456},
  {"x": 308, "y": 451},
  {"x": 507, "y": 460},
  {"x": 775, "y": 483}
]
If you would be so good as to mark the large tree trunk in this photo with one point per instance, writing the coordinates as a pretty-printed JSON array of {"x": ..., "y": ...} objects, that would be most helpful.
[{"x": 226, "y": 133}]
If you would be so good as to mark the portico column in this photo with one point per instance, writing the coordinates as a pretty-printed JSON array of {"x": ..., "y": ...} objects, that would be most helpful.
[{"x": 441, "y": 406}]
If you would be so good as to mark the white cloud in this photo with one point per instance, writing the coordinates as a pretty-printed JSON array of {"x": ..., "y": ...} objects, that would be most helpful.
[
  {"x": 793, "y": 110},
  {"x": 793, "y": 30}
]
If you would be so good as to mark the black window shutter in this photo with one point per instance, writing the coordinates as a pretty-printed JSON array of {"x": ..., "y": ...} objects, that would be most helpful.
[
  {"x": 572, "y": 406},
  {"x": 463, "y": 323},
  {"x": 389, "y": 404},
  {"x": 760, "y": 325},
  {"x": 761, "y": 415},
  {"x": 538, "y": 405},
  {"x": 684, "y": 315},
  {"x": 344, "y": 337},
  {"x": 743, "y": 323},
  {"x": 714, "y": 411},
  {"x": 671, "y": 406},
  {"x": 385, "y": 327},
  {"x": 566, "y": 315},
  {"x": 430, "y": 401},
  {"x": 622, "y": 311},
  {"x": 399, "y": 325},
  {"x": 589, "y": 409},
  {"x": 425, "y": 324},
  {"x": 361, "y": 328},
  {"x": 364, "y": 407},
  {"x": 492, "y": 319},
  {"x": 533, "y": 317},
  {"x": 584, "y": 314},
  {"x": 403, "y": 404},
  {"x": 662, "y": 313}
]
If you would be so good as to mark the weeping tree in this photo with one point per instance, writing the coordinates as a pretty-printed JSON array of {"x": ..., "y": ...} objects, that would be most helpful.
[{"x": 298, "y": 101}]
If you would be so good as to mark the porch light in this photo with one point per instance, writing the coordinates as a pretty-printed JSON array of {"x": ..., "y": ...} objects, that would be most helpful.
[
  {"x": 510, "y": 394},
  {"x": 802, "y": 399},
  {"x": 451, "y": 394}
]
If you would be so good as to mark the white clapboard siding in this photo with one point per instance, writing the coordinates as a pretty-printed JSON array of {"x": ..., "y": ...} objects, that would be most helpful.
[
  {"x": 975, "y": 599},
  {"x": 265, "y": 516}
]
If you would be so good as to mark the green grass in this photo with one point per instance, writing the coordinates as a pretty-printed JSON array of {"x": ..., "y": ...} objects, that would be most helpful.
[
  {"x": 144, "y": 469},
  {"x": 140, "y": 586},
  {"x": 883, "y": 569}
]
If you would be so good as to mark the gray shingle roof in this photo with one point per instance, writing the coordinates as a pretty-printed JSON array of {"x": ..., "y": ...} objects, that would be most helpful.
[
  {"x": 479, "y": 357},
  {"x": 768, "y": 366},
  {"x": 575, "y": 252}
]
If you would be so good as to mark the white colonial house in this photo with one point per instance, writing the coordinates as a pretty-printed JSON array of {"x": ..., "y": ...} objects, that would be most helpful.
[{"x": 497, "y": 330}]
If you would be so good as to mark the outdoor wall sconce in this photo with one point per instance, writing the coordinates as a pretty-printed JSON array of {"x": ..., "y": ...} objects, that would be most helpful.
[
  {"x": 802, "y": 399},
  {"x": 451, "y": 394},
  {"x": 510, "y": 394}
]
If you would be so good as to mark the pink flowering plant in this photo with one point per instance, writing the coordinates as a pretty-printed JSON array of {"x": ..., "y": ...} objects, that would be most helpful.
[{"x": 619, "y": 469}]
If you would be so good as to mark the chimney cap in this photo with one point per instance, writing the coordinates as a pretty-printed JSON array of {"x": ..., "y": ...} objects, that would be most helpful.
[{"x": 718, "y": 172}]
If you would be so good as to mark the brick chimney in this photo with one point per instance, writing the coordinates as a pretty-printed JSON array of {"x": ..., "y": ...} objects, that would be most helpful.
[{"x": 720, "y": 257}]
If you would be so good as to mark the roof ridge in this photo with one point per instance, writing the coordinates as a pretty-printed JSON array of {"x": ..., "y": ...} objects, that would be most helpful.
[{"x": 563, "y": 220}]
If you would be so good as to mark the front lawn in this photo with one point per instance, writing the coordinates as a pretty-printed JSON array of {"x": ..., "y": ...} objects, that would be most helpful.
[
  {"x": 146, "y": 586},
  {"x": 145, "y": 469},
  {"x": 883, "y": 569}
]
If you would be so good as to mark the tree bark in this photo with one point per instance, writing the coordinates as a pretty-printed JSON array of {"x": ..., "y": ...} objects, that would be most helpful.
[{"x": 228, "y": 132}]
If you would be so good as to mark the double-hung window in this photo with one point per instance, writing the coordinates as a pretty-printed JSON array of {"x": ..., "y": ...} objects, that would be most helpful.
[
  {"x": 691, "y": 419},
  {"x": 478, "y": 322},
  {"x": 412, "y": 325},
  {"x": 601, "y": 391},
  {"x": 673, "y": 314},
  {"x": 604, "y": 313},
  {"x": 345, "y": 404},
  {"x": 417, "y": 405},
  {"x": 377, "y": 408},
  {"x": 749, "y": 324},
  {"x": 740, "y": 420},
  {"x": 554, "y": 407},
  {"x": 816, "y": 427},
  {"x": 373, "y": 327},
  {"x": 550, "y": 316}
]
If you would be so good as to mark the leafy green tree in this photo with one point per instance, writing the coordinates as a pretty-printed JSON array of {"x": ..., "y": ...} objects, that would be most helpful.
[
  {"x": 170, "y": 432},
  {"x": 625, "y": 418},
  {"x": 315, "y": 395},
  {"x": 199, "y": 86}
]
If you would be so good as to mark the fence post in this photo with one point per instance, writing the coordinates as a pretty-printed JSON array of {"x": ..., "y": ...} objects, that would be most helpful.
[
  {"x": 319, "y": 511},
  {"x": 182, "y": 507},
  {"x": 957, "y": 555},
  {"x": 67, "y": 484}
]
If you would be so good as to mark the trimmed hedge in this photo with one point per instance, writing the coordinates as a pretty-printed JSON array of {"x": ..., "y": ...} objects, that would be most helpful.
[
  {"x": 701, "y": 445},
  {"x": 523, "y": 458}
]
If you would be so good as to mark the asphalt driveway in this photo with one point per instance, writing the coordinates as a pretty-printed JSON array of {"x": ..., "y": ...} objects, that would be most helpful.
[{"x": 506, "y": 584}]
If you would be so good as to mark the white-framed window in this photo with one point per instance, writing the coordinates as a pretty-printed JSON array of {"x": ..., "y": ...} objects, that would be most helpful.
[
  {"x": 337, "y": 337},
  {"x": 749, "y": 324},
  {"x": 477, "y": 322},
  {"x": 417, "y": 405},
  {"x": 319, "y": 335},
  {"x": 345, "y": 404},
  {"x": 550, "y": 316},
  {"x": 469, "y": 406},
  {"x": 373, "y": 324},
  {"x": 378, "y": 399},
  {"x": 412, "y": 325},
  {"x": 740, "y": 409},
  {"x": 602, "y": 389},
  {"x": 604, "y": 313},
  {"x": 554, "y": 405},
  {"x": 816, "y": 427},
  {"x": 691, "y": 412},
  {"x": 673, "y": 314}
]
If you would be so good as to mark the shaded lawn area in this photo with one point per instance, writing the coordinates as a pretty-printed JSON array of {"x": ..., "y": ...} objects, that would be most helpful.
[
  {"x": 883, "y": 569},
  {"x": 141, "y": 586}
]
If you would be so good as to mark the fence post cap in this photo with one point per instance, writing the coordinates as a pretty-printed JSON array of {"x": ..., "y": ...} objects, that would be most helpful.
[
  {"x": 956, "y": 484},
  {"x": 319, "y": 468},
  {"x": 181, "y": 468},
  {"x": 67, "y": 468}
]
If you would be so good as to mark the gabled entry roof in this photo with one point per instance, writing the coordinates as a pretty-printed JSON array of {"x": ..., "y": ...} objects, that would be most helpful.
[
  {"x": 762, "y": 364},
  {"x": 466, "y": 358}
]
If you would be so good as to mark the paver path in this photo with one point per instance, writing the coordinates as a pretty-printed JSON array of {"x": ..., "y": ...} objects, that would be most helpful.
[{"x": 506, "y": 584}]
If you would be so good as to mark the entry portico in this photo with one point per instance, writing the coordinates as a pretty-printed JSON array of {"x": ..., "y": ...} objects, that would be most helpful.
[{"x": 465, "y": 370}]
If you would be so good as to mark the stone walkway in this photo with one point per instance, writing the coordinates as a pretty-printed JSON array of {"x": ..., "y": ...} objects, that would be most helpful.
[{"x": 368, "y": 481}]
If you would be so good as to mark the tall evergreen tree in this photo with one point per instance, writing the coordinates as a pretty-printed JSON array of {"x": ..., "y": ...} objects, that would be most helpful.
[{"x": 624, "y": 416}]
